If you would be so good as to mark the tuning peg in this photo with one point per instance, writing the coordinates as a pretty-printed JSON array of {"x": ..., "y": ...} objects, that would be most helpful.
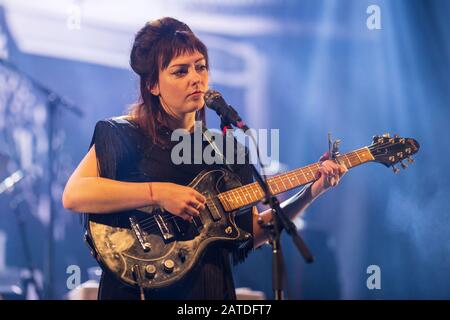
[
  {"x": 404, "y": 166},
  {"x": 396, "y": 136},
  {"x": 386, "y": 135},
  {"x": 410, "y": 159},
  {"x": 396, "y": 170}
]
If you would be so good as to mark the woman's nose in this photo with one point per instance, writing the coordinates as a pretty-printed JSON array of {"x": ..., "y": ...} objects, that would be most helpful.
[{"x": 195, "y": 77}]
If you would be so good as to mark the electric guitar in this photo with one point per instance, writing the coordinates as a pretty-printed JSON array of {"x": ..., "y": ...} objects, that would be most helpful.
[{"x": 155, "y": 249}]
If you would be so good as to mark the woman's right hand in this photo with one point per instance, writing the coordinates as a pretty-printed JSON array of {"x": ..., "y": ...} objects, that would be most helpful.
[{"x": 182, "y": 201}]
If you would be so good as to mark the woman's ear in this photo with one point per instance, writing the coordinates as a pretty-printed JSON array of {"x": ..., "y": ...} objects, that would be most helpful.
[{"x": 154, "y": 90}]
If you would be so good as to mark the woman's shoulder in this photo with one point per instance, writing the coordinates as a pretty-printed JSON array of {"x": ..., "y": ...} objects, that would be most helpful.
[
  {"x": 115, "y": 128},
  {"x": 116, "y": 125},
  {"x": 124, "y": 120}
]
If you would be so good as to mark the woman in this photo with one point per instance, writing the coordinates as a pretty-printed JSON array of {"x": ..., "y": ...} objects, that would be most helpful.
[{"x": 172, "y": 64}]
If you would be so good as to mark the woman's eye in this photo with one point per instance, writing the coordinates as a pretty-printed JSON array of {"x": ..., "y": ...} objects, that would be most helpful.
[
  {"x": 180, "y": 72},
  {"x": 202, "y": 67}
]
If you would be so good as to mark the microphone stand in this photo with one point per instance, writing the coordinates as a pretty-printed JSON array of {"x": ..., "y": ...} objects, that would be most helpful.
[
  {"x": 273, "y": 228},
  {"x": 16, "y": 205}
]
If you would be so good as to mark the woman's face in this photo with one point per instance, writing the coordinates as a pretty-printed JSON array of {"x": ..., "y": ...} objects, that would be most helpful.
[{"x": 182, "y": 85}]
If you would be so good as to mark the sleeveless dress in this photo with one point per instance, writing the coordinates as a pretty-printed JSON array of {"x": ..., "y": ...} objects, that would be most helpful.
[{"x": 125, "y": 153}]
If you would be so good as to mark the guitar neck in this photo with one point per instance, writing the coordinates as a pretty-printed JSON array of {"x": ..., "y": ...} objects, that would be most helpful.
[{"x": 252, "y": 193}]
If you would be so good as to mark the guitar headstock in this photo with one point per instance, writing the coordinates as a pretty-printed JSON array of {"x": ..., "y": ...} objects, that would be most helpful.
[{"x": 389, "y": 151}]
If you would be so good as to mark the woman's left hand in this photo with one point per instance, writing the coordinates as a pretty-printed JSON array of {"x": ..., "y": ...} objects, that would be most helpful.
[{"x": 330, "y": 175}]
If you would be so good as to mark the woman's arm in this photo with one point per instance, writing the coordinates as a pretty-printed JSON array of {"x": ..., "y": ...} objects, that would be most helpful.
[{"x": 87, "y": 192}]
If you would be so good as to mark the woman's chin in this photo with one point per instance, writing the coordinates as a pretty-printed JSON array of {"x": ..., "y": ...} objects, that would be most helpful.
[{"x": 196, "y": 107}]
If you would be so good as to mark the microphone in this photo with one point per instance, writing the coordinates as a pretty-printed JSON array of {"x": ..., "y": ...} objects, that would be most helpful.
[{"x": 215, "y": 101}]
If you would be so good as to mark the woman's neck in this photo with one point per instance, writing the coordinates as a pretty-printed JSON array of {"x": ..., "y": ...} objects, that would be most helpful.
[{"x": 185, "y": 121}]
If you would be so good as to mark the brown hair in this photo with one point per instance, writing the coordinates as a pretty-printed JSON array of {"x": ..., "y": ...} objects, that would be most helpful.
[{"x": 155, "y": 45}]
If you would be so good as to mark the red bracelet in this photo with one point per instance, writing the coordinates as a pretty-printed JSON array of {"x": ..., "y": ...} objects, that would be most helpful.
[{"x": 150, "y": 191}]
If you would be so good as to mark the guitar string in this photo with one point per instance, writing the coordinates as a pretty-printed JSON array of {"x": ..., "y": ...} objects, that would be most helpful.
[{"x": 149, "y": 223}]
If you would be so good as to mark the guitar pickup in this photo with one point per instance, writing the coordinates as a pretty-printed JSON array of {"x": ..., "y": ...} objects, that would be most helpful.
[
  {"x": 146, "y": 246},
  {"x": 197, "y": 221},
  {"x": 212, "y": 208},
  {"x": 163, "y": 227}
]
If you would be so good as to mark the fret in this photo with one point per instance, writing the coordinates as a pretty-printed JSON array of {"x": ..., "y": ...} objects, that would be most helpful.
[
  {"x": 362, "y": 154},
  {"x": 365, "y": 153},
  {"x": 273, "y": 185},
  {"x": 344, "y": 157},
  {"x": 222, "y": 200},
  {"x": 282, "y": 181},
  {"x": 247, "y": 194},
  {"x": 243, "y": 193},
  {"x": 232, "y": 193},
  {"x": 238, "y": 195},
  {"x": 358, "y": 156},
  {"x": 277, "y": 184},
  {"x": 298, "y": 181},
  {"x": 311, "y": 173},
  {"x": 255, "y": 190},
  {"x": 290, "y": 179},
  {"x": 301, "y": 170},
  {"x": 225, "y": 201}
]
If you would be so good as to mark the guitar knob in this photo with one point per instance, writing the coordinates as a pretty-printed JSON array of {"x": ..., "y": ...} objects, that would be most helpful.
[
  {"x": 168, "y": 265},
  {"x": 182, "y": 255},
  {"x": 404, "y": 166},
  {"x": 396, "y": 170},
  {"x": 150, "y": 271},
  {"x": 386, "y": 135},
  {"x": 410, "y": 160}
]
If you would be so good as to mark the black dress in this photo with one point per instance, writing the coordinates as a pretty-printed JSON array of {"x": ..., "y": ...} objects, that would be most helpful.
[{"x": 124, "y": 153}]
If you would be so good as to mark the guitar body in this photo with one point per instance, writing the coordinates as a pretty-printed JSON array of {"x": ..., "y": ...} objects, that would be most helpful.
[{"x": 157, "y": 249}]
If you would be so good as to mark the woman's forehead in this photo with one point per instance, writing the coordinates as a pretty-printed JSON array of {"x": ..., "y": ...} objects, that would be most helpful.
[{"x": 186, "y": 58}]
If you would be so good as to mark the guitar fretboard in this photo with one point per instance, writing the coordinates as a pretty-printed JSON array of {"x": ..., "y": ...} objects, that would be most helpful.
[{"x": 252, "y": 193}]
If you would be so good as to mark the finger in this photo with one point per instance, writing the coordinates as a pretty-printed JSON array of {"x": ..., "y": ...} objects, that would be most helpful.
[
  {"x": 199, "y": 197},
  {"x": 334, "y": 167},
  {"x": 191, "y": 211},
  {"x": 337, "y": 180},
  {"x": 186, "y": 216},
  {"x": 336, "y": 171},
  {"x": 197, "y": 205},
  {"x": 327, "y": 171},
  {"x": 323, "y": 173},
  {"x": 330, "y": 181}
]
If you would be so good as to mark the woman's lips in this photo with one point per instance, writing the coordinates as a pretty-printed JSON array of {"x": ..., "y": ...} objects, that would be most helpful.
[{"x": 196, "y": 94}]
